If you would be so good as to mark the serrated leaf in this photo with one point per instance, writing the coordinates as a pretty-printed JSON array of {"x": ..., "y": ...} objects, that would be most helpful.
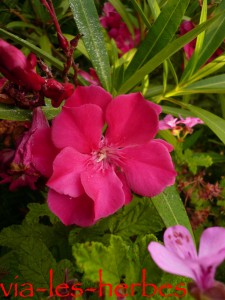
[
  {"x": 171, "y": 209},
  {"x": 86, "y": 18},
  {"x": 139, "y": 217},
  {"x": 165, "y": 53},
  {"x": 159, "y": 35},
  {"x": 195, "y": 160},
  {"x": 38, "y": 210},
  {"x": 114, "y": 261}
]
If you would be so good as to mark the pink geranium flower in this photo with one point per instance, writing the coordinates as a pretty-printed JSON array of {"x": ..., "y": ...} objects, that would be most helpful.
[
  {"x": 179, "y": 255},
  {"x": 118, "y": 30},
  {"x": 94, "y": 174}
]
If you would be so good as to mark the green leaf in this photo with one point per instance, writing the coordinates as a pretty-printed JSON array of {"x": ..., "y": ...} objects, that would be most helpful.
[
  {"x": 86, "y": 18},
  {"x": 134, "y": 219},
  {"x": 120, "y": 8},
  {"x": 165, "y": 53},
  {"x": 54, "y": 61},
  {"x": 195, "y": 160},
  {"x": 18, "y": 114},
  {"x": 139, "y": 10},
  {"x": 215, "y": 123},
  {"x": 38, "y": 210},
  {"x": 171, "y": 209},
  {"x": 176, "y": 111},
  {"x": 153, "y": 4},
  {"x": 215, "y": 84},
  {"x": 213, "y": 38},
  {"x": 159, "y": 35},
  {"x": 114, "y": 261}
]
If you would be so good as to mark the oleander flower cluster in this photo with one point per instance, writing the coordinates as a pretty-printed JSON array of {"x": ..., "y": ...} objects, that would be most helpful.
[{"x": 98, "y": 151}]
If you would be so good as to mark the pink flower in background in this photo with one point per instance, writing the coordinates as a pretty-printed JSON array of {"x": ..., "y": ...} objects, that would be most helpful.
[
  {"x": 189, "y": 49},
  {"x": 118, "y": 30},
  {"x": 179, "y": 255},
  {"x": 174, "y": 124},
  {"x": 94, "y": 174},
  {"x": 16, "y": 67},
  {"x": 90, "y": 77}
]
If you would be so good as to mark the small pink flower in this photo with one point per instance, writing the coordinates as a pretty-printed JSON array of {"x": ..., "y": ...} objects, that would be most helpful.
[
  {"x": 190, "y": 122},
  {"x": 118, "y": 30},
  {"x": 93, "y": 174},
  {"x": 18, "y": 68},
  {"x": 179, "y": 255},
  {"x": 169, "y": 122}
]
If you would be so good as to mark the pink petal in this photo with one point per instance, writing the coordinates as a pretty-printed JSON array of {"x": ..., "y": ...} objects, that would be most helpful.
[
  {"x": 131, "y": 120},
  {"x": 79, "y": 211},
  {"x": 167, "y": 145},
  {"x": 106, "y": 190},
  {"x": 212, "y": 245},
  {"x": 79, "y": 128},
  {"x": 178, "y": 240},
  {"x": 67, "y": 168},
  {"x": 170, "y": 262},
  {"x": 43, "y": 152},
  {"x": 89, "y": 95},
  {"x": 148, "y": 168},
  {"x": 126, "y": 188},
  {"x": 169, "y": 122}
]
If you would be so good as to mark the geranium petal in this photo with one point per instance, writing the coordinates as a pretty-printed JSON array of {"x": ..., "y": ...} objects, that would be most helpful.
[
  {"x": 43, "y": 152},
  {"x": 178, "y": 240},
  {"x": 131, "y": 120},
  {"x": 79, "y": 128},
  {"x": 149, "y": 168},
  {"x": 67, "y": 168},
  {"x": 79, "y": 211},
  {"x": 212, "y": 245},
  {"x": 89, "y": 94},
  {"x": 126, "y": 188},
  {"x": 106, "y": 190},
  {"x": 170, "y": 262}
]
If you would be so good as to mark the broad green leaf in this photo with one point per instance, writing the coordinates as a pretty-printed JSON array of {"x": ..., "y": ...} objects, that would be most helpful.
[
  {"x": 45, "y": 44},
  {"x": 171, "y": 209},
  {"x": 114, "y": 261},
  {"x": 159, "y": 35},
  {"x": 165, "y": 53},
  {"x": 215, "y": 84},
  {"x": 134, "y": 218},
  {"x": 86, "y": 18},
  {"x": 18, "y": 114},
  {"x": 153, "y": 4},
  {"x": 213, "y": 38},
  {"x": 195, "y": 160},
  {"x": 37, "y": 210},
  {"x": 20, "y": 24},
  {"x": 176, "y": 111}
]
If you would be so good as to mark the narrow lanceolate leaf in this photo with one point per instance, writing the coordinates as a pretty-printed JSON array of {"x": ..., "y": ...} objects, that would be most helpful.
[
  {"x": 19, "y": 114},
  {"x": 215, "y": 84},
  {"x": 171, "y": 208},
  {"x": 165, "y": 53},
  {"x": 215, "y": 123},
  {"x": 162, "y": 32},
  {"x": 86, "y": 18},
  {"x": 213, "y": 38}
]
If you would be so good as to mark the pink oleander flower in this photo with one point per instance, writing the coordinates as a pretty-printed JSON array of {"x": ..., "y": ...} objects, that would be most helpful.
[
  {"x": 96, "y": 169},
  {"x": 90, "y": 77},
  {"x": 169, "y": 122},
  {"x": 189, "y": 49},
  {"x": 23, "y": 171},
  {"x": 190, "y": 122},
  {"x": 16, "y": 67},
  {"x": 179, "y": 256},
  {"x": 118, "y": 30}
]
